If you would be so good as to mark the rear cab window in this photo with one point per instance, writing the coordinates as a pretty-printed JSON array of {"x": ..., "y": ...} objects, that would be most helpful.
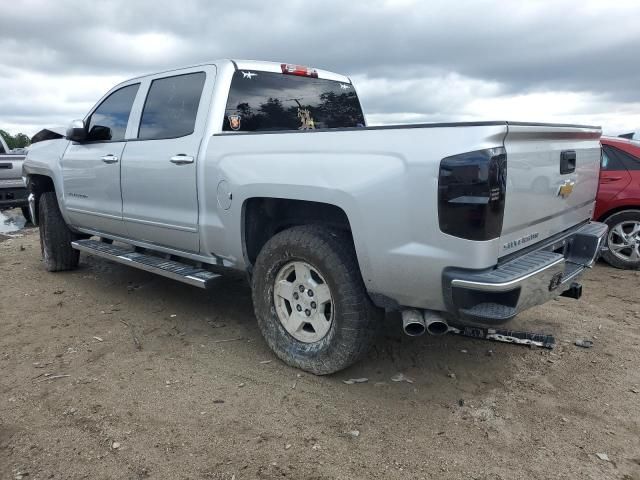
[{"x": 267, "y": 101}]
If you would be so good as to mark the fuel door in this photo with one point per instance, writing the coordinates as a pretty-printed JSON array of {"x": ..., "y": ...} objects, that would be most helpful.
[{"x": 224, "y": 195}]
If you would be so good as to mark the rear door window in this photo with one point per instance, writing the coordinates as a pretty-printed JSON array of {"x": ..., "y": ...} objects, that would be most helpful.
[
  {"x": 171, "y": 107},
  {"x": 109, "y": 121},
  {"x": 616, "y": 159},
  {"x": 267, "y": 101},
  {"x": 609, "y": 161}
]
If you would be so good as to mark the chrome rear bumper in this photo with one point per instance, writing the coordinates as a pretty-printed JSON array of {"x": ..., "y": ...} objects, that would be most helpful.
[{"x": 496, "y": 295}]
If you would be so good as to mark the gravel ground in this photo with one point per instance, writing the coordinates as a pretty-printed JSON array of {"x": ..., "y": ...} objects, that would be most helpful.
[{"x": 109, "y": 372}]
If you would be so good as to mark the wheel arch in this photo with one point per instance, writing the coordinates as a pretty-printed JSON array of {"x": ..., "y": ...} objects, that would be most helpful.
[
  {"x": 37, "y": 184},
  {"x": 624, "y": 208},
  {"x": 263, "y": 217}
]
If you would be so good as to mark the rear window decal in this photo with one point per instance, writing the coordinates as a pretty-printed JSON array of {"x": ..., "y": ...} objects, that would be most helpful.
[
  {"x": 234, "y": 122},
  {"x": 305, "y": 117}
]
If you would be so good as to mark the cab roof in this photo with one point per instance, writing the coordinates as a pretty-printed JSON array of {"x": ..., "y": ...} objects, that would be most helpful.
[
  {"x": 258, "y": 65},
  {"x": 630, "y": 146},
  {"x": 277, "y": 68}
]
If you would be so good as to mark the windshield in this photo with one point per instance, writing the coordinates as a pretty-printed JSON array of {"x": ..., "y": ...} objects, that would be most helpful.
[{"x": 266, "y": 101}]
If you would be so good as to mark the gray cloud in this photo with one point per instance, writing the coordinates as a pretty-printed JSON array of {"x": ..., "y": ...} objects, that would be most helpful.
[{"x": 419, "y": 60}]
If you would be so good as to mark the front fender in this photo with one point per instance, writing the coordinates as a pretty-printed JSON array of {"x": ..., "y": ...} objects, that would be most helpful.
[{"x": 44, "y": 158}]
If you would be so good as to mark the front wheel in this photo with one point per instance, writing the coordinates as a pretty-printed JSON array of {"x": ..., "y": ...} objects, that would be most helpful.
[
  {"x": 623, "y": 240},
  {"x": 310, "y": 300},
  {"x": 55, "y": 236}
]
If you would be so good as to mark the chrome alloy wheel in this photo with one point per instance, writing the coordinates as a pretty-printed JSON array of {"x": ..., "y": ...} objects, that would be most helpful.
[
  {"x": 624, "y": 241},
  {"x": 303, "y": 302}
]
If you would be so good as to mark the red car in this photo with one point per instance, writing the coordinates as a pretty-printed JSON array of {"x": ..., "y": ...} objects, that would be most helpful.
[{"x": 618, "y": 201}]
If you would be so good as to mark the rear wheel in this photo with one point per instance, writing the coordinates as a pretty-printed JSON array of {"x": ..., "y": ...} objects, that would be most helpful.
[
  {"x": 623, "y": 240},
  {"x": 310, "y": 300},
  {"x": 55, "y": 236}
]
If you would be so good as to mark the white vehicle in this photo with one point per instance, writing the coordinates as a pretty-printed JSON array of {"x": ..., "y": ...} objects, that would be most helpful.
[{"x": 270, "y": 169}]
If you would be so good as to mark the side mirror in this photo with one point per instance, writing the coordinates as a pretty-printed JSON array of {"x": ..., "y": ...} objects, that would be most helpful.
[{"x": 76, "y": 131}]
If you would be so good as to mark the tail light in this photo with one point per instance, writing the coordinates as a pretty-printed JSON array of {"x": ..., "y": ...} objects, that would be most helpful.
[
  {"x": 471, "y": 192},
  {"x": 299, "y": 70}
]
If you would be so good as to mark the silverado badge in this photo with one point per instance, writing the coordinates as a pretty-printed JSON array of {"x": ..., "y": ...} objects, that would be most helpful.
[{"x": 566, "y": 188}]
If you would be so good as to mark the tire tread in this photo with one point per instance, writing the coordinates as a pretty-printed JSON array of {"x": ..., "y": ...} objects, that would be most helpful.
[{"x": 55, "y": 236}]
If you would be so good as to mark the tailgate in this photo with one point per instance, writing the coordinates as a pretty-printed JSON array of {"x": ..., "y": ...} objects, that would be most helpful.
[
  {"x": 11, "y": 166},
  {"x": 552, "y": 180}
]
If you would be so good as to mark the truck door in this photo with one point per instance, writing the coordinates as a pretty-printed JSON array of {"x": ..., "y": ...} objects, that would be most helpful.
[
  {"x": 160, "y": 199},
  {"x": 91, "y": 169},
  {"x": 614, "y": 176}
]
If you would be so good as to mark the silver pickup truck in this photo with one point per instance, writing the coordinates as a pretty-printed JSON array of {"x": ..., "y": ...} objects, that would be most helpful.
[
  {"x": 270, "y": 169},
  {"x": 13, "y": 192}
]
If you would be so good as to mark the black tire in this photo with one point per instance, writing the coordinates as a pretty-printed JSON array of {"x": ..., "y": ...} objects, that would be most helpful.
[
  {"x": 355, "y": 321},
  {"x": 26, "y": 214},
  {"x": 613, "y": 221},
  {"x": 55, "y": 236}
]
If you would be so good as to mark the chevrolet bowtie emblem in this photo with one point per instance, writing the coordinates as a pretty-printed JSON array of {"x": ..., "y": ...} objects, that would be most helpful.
[{"x": 566, "y": 188}]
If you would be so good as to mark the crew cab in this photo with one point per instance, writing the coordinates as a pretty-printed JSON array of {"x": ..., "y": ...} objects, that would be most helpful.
[
  {"x": 270, "y": 169},
  {"x": 13, "y": 191}
]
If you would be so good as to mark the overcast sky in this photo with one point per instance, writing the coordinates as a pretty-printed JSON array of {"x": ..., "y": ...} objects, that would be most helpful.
[{"x": 412, "y": 61}]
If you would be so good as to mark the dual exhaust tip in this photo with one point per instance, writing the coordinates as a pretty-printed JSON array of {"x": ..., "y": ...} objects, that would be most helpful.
[{"x": 416, "y": 322}]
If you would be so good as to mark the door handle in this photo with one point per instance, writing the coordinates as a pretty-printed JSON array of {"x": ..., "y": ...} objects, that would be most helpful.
[
  {"x": 567, "y": 162},
  {"x": 611, "y": 179},
  {"x": 181, "y": 159},
  {"x": 109, "y": 159}
]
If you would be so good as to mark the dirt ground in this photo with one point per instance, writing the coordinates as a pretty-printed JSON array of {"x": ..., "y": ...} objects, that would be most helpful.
[{"x": 113, "y": 373}]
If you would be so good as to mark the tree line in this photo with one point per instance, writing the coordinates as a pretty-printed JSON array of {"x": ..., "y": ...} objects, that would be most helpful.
[{"x": 19, "y": 140}]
